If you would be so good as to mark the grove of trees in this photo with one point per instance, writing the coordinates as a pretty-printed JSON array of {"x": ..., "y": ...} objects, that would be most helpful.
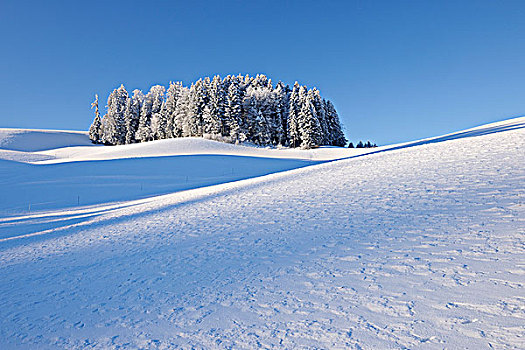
[
  {"x": 232, "y": 109},
  {"x": 362, "y": 144}
]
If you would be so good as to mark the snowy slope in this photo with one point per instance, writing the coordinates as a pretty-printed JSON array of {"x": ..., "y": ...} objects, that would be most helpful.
[
  {"x": 38, "y": 140},
  {"x": 414, "y": 246},
  {"x": 29, "y": 187},
  {"x": 49, "y": 170},
  {"x": 74, "y": 176}
]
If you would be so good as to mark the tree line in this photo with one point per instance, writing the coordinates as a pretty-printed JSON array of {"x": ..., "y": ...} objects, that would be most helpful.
[
  {"x": 362, "y": 144},
  {"x": 232, "y": 109}
]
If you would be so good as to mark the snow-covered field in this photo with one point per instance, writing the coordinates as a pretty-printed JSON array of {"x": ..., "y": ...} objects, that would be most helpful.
[{"x": 193, "y": 243}]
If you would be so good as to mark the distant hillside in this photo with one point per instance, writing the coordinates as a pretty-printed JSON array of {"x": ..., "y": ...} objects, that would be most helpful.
[{"x": 27, "y": 140}]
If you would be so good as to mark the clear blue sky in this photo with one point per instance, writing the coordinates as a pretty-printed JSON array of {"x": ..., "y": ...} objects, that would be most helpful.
[{"x": 395, "y": 70}]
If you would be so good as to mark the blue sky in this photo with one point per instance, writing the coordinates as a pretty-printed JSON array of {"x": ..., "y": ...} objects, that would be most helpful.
[{"x": 395, "y": 70}]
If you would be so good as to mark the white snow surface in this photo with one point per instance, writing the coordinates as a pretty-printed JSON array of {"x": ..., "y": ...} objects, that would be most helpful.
[
  {"x": 28, "y": 140},
  {"x": 417, "y": 245}
]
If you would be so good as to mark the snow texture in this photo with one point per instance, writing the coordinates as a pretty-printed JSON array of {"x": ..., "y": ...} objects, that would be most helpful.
[{"x": 418, "y": 245}]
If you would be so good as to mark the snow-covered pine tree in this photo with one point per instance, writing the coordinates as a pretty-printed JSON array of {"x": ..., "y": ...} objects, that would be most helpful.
[
  {"x": 159, "y": 119},
  {"x": 213, "y": 113},
  {"x": 246, "y": 81},
  {"x": 260, "y": 81},
  {"x": 226, "y": 83},
  {"x": 249, "y": 115},
  {"x": 320, "y": 113},
  {"x": 336, "y": 135},
  {"x": 196, "y": 105},
  {"x": 282, "y": 105},
  {"x": 127, "y": 120},
  {"x": 132, "y": 115},
  {"x": 263, "y": 133},
  {"x": 272, "y": 113},
  {"x": 114, "y": 125},
  {"x": 309, "y": 126},
  {"x": 233, "y": 112},
  {"x": 257, "y": 109},
  {"x": 172, "y": 96},
  {"x": 95, "y": 129},
  {"x": 144, "y": 132},
  {"x": 293, "y": 115},
  {"x": 181, "y": 125}
]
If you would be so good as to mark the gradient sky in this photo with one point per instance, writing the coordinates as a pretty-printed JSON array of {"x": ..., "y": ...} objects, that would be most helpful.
[{"x": 395, "y": 70}]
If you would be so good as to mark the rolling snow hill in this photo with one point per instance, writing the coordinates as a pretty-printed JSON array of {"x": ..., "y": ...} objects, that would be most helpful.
[
  {"x": 418, "y": 245},
  {"x": 27, "y": 140}
]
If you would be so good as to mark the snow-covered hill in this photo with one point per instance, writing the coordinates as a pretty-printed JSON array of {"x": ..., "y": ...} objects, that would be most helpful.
[
  {"x": 27, "y": 140},
  {"x": 409, "y": 246}
]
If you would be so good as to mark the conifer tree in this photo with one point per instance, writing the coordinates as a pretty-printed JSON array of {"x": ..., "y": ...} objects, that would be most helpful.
[
  {"x": 159, "y": 119},
  {"x": 309, "y": 126},
  {"x": 260, "y": 81},
  {"x": 258, "y": 114},
  {"x": 144, "y": 133},
  {"x": 114, "y": 124},
  {"x": 172, "y": 97},
  {"x": 320, "y": 113},
  {"x": 233, "y": 112},
  {"x": 181, "y": 125},
  {"x": 282, "y": 104},
  {"x": 96, "y": 127},
  {"x": 337, "y": 137},
  {"x": 213, "y": 113},
  {"x": 132, "y": 115},
  {"x": 293, "y": 117},
  {"x": 196, "y": 105}
]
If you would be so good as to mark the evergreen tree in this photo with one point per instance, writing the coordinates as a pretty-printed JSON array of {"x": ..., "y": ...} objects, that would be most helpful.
[
  {"x": 360, "y": 145},
  {"x": 258, "y": 111},
  {"x": 336, "y": 135},
  {"x": 282, "y": 105},
  {"x": 309, "y": 126},
  {"x": 150, "y": 114},
  {"x": 246, "y": 81},
  {"x": 196, "y": 105},
  {"x": 233, "y": 112},
  {"x": 114, "y": 124},
  {"x": 172, "y": 96},
  {"x": 250, "y": 114},
  {"x": 351, "y": 145},
  {"x": 260, "y": 81},
  {"x": 319, "y": 110},
  {"x": 213, "y": 113},
  {"x": 144, "y": 132},
  {"x": 293, "y": 117},
  {"x": 96, "y": 127},
  {"x": 159, "y": 118},
  {"x": 181, "y": 124},
  {"x": 132, "y": 115}
]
